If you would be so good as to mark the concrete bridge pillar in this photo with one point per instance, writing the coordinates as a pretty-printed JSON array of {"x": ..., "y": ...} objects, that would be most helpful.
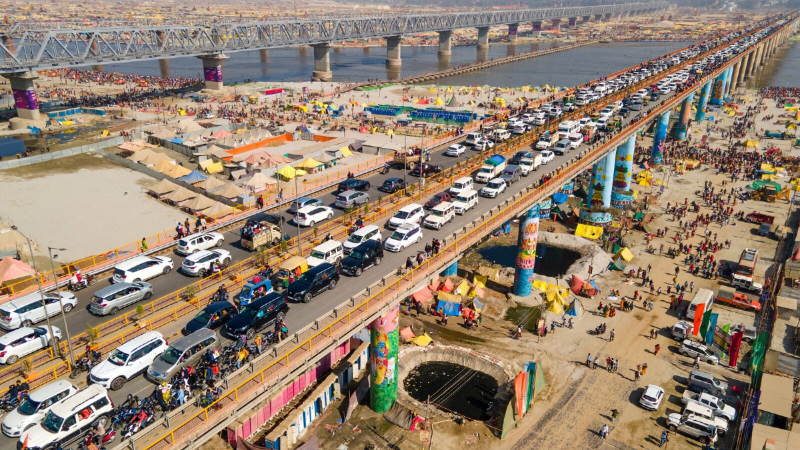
[
  {"x": 728, "y": 77},
  {"x": 701, "y": 104},
  {"x": 483, "y": 38},
  {"x": 322, "y": 62},
  {"x": 526, "y": 252},
  {"x": 8, "y": 43},
  {"x": 572, "y": 22},
  {"x": 384, "y": 345},
  {"x": 659, "y": 136},
  {"x": 683, "y": 120},
  {"x": 602, "y": 182},
  {"x": 163, "y": 65},
  {"x": 586, "y": 19},
  {"x": 759, "y": 58},
  {"x": 512, "y": 33},
  {"x": 718, "y": 90},
  {"x": 24, "y": 92},
  {"x": 607, "y": 17},
  {"x": 445, "y": 43},
  {"x": 483, "y": 54},
  {"x": 749, "y": 68},
  {"x": 556, "y": 24},
  {"x": 537, "y": 28},
  {"x": 742, "y": 71},
  {"x": 95, "y": 51},
  {"x": 264, "y": 54},
  {"x": 735, "y": 76},
  {"x": 393, "y": 56},
  {"x": 212, "y": 70},
  {"x": 511, "y": 49},
  {"x": 451, "y": 270},
  {"x": 621, "y": 195}
]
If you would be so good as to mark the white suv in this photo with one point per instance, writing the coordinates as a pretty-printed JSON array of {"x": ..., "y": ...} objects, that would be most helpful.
[
  {"x": 67, "y": 421},
  {"x": 407, "y": 215},
  {"x": 403, "y": 237},
  {"x": 35, "y": 406},
  {"x": 202, "y": 263},
  {"x": 128, "y": 360},
  {"x": 141, "y": 268},
  {"x": 199, "y": 241},
  {"x": 24, "y": 341}
]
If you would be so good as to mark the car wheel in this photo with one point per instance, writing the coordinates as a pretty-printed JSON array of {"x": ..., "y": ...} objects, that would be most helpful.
[
  {"x": 673, "y": 428},
  {"x": 330, "y": 216},
  {"x": 358, "y": 272},
  {"x": 684, "y": 353},
  {"x": 67, "y": 308},
  {"x": 218, "y": 243},
  {"x": 12, "y": 359},
  {"x": 307, "y": 298},
  {"x": 167, "y": 269},
  {"x": 332, "y": 286},
  {"x": 114, "y": 310},
  {"x": 377, "y": 261},
  {"x": 117, "y": 383},
  {"x": 226, "y": 262},
  {"x": 148, "y": 295},
  {"x": 102, "y": 420},
  {"x": 250, "y": 333},
  {"x": 136, "y": 280},
  {"x": 311, "y": 224},
  {"x": 26, "y": 323}
]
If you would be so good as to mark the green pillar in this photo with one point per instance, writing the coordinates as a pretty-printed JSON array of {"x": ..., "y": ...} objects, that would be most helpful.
[{"x": 384, "y": 345}]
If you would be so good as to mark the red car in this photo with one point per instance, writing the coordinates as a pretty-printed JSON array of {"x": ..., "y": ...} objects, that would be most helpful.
[
  {"x": 438, "y": 198},
  {"x": 757, "y": 217}
]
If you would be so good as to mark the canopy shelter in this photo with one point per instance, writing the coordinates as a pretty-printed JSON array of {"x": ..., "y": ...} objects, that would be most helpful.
[
  {"x": 578, "y": 286},
  {"x": 163, "y": 187},
  {"x": 221, "y": 134},
  {"x": 12, "y": 269},
  {"x": 154, "y": 158},
  {"x": 177, "y": 172},
  {"x": 189, "y": 125},
  {"x": 141, "y": 155},
  {"x": 230, "y": 191},
  {"x": 287, "y": 172},
  {"x": 163, "y": 167},
  {"x": 218, "y": 210},
  {"x": 199, "y": 203},
  {"x": 258, "y": 182},
  {"x": 180, "y": 195},
  {"x": 210, "y": 183},
  {"x": 274, "y": 161},
  {"x": 309, "y": 163},
  {"x": 214, "y": 150},
  {"x": 194, "y": 177}
]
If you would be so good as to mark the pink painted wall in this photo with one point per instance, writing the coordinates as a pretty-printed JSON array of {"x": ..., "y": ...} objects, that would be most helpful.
[{"x": 251, "y": 424}]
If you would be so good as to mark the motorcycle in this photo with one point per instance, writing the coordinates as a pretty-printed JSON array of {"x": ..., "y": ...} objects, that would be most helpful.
[
  {"x": 90, "y": 438},
  {"x": 8, "y": 404},
  {"x": 141, "y": 420},
  {"x": 385, "y": 169},
  {"x": 88, "y": 280},
  {"x": 84, "y": 364}
]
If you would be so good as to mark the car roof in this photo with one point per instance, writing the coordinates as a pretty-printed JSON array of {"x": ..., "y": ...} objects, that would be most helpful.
[
  {"x": 269, "y": 298},
  {"x": 443, "y": 205},
  {"x": 350, "y": 193},
  {"x": 125, "y": 265},
  {"x": 193, "y": 339},
  {"x": 217, "y": 306},
  {"x": 48, "y": 390},
  {"x": 393, "y": 179},
  {"x": 466, "y": 192},
  {"x": 202, "y": 253},
  {"x": 367, "y": 245},
  {"x": 497, "y": 179},
  {"x": 463, "y": 180},
  {"x": 139, "y": 340},
  {"x": 320, "y": 268},
  {"x": 78, "y": 400},
  {"x": 24, "y": 301},
  {"x": 406, "y": 227},
  {"x": 328, "y": 245},
  {"x": 204, "y": 233},
  {"x": 304, "y": 199},
  {"x": 410, "y": 207},
  {"x": 116, "y": 287},
  {"x": 305, "y": 209},
  {"x": 365, "y": 230},
  {"x": 12, "y": 336}
]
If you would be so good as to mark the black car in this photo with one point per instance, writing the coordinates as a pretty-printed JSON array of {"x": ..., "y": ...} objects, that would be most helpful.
[
  {"x": 392, "y": 185},
  {"x": 314, "y": 282},
  {"x": 257, "y": 315},
  {"x": 624, "y": 112},
  {"x": 212, "y": 316},
  {"x": 353, "y": 184},
  {"x": 519, "y": 156},
  {"x": 363, "y": 257},
  {"x": 426, "y": 170}
]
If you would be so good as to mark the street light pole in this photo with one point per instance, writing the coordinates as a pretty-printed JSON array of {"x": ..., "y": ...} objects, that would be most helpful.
[
  {"x": 41, "y": 293},
  {"x": 297, "y": 217},
  {"x": 61, "y": 304}
]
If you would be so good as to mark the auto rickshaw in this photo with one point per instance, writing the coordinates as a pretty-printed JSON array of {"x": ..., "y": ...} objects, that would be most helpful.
[
  {"x": 251, "y": 290},
  {"x": 291, "y": 265}
]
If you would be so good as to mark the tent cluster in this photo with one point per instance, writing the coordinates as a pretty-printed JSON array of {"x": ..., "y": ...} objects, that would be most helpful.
[{"x": 451, "y": 300}]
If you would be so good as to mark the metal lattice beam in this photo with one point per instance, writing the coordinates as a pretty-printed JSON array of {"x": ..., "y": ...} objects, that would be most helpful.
[{"x": 38, "y": 49}]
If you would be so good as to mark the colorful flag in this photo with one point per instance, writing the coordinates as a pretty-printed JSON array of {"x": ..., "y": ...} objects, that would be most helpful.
[
  {"x": 698, "y": 318},
  {"x": 712, "y": 325},
  {"x": 736, "y": 342}
]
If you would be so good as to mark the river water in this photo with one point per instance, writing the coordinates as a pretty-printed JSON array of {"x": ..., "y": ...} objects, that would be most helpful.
[
  {"x": 782, "y": 68},
  {"x": 569, "y": 67}
]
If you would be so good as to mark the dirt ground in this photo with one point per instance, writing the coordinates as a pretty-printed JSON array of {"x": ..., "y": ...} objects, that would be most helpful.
[{"x": 578, "y": 401}]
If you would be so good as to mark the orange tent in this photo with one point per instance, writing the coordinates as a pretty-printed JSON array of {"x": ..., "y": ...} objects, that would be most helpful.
[{"x": 11, "y": 269}]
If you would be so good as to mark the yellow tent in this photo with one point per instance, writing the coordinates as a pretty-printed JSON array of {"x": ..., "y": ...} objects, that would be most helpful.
[
  {"x": 215, "y": 168},
  {"x": 287, "y": 172},
  {"x": 448, "y": 297},
  {"x": 439, "y": 101},
  {"x": 766, "y": 167},
  {"x": 588, "y": 231},
  {"x": 309, "y": 163},
  {"x": 421, "y": 341},
  {"x": 752, "y": 143},
  {"x": 431, "y": 89},
  {"x": 626, "y": 254},
  {"x": 345, "y": 151},
  {"x": 300, "y": 172},
  {"x": 554, "y": 295},
  {"x": 555, "y": 308},
  {"x": 463, "y": 288},
  {"x": 539, "y": 285},
  {"x": 768, "y": 177},
  {"x": 480, "y": 281}
]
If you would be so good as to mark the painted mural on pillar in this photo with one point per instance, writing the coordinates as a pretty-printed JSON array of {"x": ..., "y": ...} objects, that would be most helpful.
[
  {"x": 526, "y": 251},
  {"x": 25, "y": 99},
  {"x": 622, "y": 171},
  {"x": 598, "y": 177},
  {"x": 568, "y": 188},
  {"x": 716, "y": 91},
  {"x": 620, "y": 200},
  {"x": 384, "y": 342},
  {"x": 596, "y": 217},
  {"x": 212, "y": 74},
  {"x": 544, "y": 208}
]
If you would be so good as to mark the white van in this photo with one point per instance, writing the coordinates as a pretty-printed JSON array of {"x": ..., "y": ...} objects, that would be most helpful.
[
  {"x": 440, "y": 215},
  {"x": 501, "y": 134},
  {"x": 473, "y": 137},
  {"x": 465, "y": 200},
  {"x": 368, "y": 233},
  {"x": 582, "y": 100},
  {"x": 28, "y": 309},
  {"x": 460, "y": 185},
  {"x": 568, "y": 127},
  {"x": 575, "y": 140},
  {"x": 702, "y": 297},
  {"x": 602, "y": 122},
  {"x": 406, "y": 215},
  {"x": 33, "y": 409},
  {"x": 128, "y": 360},
  {"x": 562, "y": 147},
  {"x": 327, "y": 252}
]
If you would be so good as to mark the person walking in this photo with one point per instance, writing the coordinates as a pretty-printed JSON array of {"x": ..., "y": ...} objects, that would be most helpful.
[
  {"x": 636, "y": 375},
  {"x": 614, "y": 414},
  {"x": 611, "y": 336},
  {"x": 664, "y": 438},
  {"x": 658, "y": 347},
  {"x": 589, "y": 360},
  {"x": 143, "y": 245},
  {"x": 604, "y": 431},
  {"x": 697, "y": 362},
  {"x": 652, "y": 333}
]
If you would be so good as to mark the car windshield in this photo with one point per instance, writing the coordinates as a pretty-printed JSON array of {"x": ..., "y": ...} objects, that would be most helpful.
[
  {"x": 183, "y": 243},
  {"x": 401, "y": 214},
  {"x": 398, "y": 235},
  {"x": 248, "y": 313},
  {"x": 494, "y": 185},
  {"x": 306, "y": 279},
  {"x": 354, "y": 238},
  {"x": 117, "y": 357},
  {"x": 204, "y": 317},
  {"x": 458, "y": 185},
  {"x": 52, "y": 422},
  {"x": 28, "y": 407},
  {"x": 317, "y": 254},
  {"x": 171, "y": 356},
  {"x": 438, "y": 212},
  {"x": 462, "y": 199},
  {"x": 436, "y": 199},
  {"x": 648, "y": 398},
  {"x": 486, "y": 170},
  {"x": 355, "y": 254}
]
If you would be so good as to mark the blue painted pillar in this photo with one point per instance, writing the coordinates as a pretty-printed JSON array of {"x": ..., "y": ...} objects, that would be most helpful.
[
  {"x": 728, "y": 75},
  {"x": 718, "y": 90},
  {"x": 602, "y": 181},
  {"x": 621, "y": 195},
  {"x": 683, "y": 120},
  {"x": 526, "y": 252},
  {"x": 701, "y": 105},
  {"x": 660, "y": 135},
  {"x": 451, "y": 270}
]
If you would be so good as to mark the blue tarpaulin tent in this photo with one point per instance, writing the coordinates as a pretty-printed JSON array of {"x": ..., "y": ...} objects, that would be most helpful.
[
  {"x": 575, "y": 308},
  {"x": 194, "y": 177},
  {"x": 559, "y": 198},
  {"x": 176, "y": 140},
  {"x": 449, "y": 308}
]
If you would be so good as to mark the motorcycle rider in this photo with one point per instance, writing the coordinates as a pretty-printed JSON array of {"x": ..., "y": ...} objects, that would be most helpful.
[
  {"x": 222, "y": 294},
  {"x": 77, "y": 280}
]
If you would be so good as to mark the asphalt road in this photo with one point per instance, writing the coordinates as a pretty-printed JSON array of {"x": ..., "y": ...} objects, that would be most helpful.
[{"x": 302, "y": 314}]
